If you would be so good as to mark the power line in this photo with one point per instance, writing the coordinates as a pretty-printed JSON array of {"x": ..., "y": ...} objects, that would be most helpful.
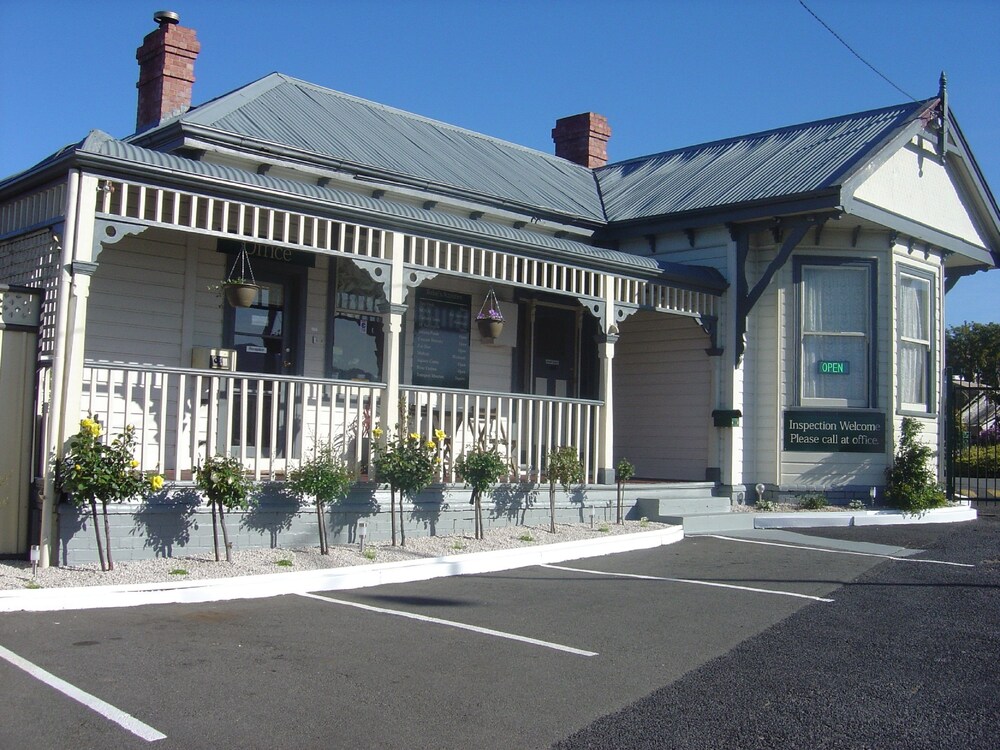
[{"x": 855, "y": 52}]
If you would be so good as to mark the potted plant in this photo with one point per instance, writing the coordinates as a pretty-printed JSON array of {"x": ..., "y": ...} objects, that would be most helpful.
[
  {"x": 490, "y": 319},
  {"x": 240, "y": 287}
]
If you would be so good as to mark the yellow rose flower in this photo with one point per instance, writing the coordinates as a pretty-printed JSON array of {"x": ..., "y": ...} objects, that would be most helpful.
[
  {"x": 377, "y": 433},
  {"x": 156, "y": 482},
  {"x": 414, "y": 436},
  {"x": 133, "y": 463},
  {"x": 431, "y": 445},
  {"x": 439, "y": 435}
]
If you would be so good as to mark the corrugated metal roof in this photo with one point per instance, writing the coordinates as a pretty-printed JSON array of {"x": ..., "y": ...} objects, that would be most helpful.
[
  {"x": 774, "y": 164},
  {"x": 289, "y": 112},
  {"x": 379, "y": 208}
]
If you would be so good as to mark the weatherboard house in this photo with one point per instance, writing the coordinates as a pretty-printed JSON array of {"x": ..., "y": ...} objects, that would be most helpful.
[{"x": 761, "y": 310}]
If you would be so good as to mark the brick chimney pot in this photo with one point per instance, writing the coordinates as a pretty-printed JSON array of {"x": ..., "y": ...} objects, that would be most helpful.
[
  {"x": 166, "y": 74},
  {"x": 583, "y": 139}
]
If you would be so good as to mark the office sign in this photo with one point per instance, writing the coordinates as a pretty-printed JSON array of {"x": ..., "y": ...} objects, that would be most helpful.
[{"x": 844, "y": 431}]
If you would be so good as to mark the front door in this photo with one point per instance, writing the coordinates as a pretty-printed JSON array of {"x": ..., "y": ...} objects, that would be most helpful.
[
  {"x": 262, "y": 334},
  {"x": 555, "y": 350},
  {"x": 266, "y": 338}
]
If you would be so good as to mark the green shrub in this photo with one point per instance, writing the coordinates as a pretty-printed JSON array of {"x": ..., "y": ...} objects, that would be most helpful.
[
  {"x": 563, "y": 467},
  {"x": 326, "y": 479},
  {"x": 765, "y": 506},
  {"x": 910, "y": 483},
  {"x": 812, "y": 502},
  {"x": 978, "y": 461},
  {"x": 480, "y": 467},
  {"x": 227, "y": 485}
]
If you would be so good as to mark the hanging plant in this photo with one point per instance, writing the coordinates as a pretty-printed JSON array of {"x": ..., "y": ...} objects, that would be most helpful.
[
  {"x": 490, "y": 319},
  {"x": 240, "y": 286}
]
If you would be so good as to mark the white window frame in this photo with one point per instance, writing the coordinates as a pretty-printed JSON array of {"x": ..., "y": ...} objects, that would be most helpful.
[
  {"x": 869, "y": 267},
  {"x": 930, "y": 322}
]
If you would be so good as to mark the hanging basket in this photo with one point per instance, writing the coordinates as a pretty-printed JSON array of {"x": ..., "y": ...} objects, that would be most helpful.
[
  {"x": 489, "y": 329},
  {"x": 240, "y": 287},
  {"x": 490, "y": 319},
  {"x": 241, "y": 295}
]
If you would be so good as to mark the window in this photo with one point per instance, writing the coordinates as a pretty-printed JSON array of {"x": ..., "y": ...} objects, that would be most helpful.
[
  {"x": 836, "y": 331},
  {"x": 913, "y": 332},
  {"x": 355, "y": 328}
]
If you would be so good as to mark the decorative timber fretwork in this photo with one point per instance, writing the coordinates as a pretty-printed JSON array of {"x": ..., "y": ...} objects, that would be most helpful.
[
  {"x": 150, "y": 205},
  {"x": 109, "y": 231},
  {"x": 791, "y": 233},
  {"x": 156, "y": 206}
]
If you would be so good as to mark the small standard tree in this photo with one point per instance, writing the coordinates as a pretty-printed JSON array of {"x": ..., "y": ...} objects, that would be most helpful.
[
  {"x": 563, "y": 467},
  {"x": 93, "y": 471},
  {"x": 325, "y": 479},
  {"x": 407, "y": 464},
  {"x": 623, "y": 472},
  {"x": 910, "y": 483},
  {"x": 228, "y": 487},
  {"x": 481, "y": 468}
]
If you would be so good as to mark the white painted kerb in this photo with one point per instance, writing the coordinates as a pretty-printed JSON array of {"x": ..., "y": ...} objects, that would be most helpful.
[{"x": 331, "y": 579}]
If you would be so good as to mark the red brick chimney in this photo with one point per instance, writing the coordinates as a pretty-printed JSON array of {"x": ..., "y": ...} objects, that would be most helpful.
[
  {"x": 583, "y": 139},
  {"x": 166, "y": 71}
]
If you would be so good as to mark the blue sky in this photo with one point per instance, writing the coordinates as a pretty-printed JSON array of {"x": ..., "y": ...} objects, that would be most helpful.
[{"x": 666, "y": 74}]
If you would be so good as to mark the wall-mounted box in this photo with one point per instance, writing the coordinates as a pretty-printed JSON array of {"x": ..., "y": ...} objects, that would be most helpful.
[
  {"x": 726, "y": 417},
  {"x": 205, "y": 358}
]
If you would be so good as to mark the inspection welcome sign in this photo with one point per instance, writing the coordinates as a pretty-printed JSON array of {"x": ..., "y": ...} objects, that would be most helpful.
[{"x": 835, "y": 431}]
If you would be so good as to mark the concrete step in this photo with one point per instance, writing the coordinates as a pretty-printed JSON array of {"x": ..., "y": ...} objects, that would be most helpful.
[{"x": 657, "y": 508}]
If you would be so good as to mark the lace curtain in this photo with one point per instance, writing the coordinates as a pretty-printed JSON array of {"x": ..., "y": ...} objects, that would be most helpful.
[
  {"x": 914, "y": 341},
  {"x": 835, "y": 326}
]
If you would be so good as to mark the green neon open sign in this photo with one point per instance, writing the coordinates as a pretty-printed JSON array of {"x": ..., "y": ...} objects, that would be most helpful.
[{"x": 832, "y": 367}]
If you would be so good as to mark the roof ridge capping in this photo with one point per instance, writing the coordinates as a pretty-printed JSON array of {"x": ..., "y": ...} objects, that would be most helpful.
[{"x": 911, "y": 110}]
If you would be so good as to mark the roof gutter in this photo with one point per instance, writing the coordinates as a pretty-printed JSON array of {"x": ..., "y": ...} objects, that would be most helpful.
[{"x": 827, "y": 199}]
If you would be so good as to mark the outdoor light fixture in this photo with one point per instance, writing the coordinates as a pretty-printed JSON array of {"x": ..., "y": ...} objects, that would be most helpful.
[
  {"x": 591, "y": 516},
  {"x": 34, "y": 554},
  {"x": 872, "y": 493},
  {"x": 760, "y": 491},
  {"x": 362, "y": 533}
]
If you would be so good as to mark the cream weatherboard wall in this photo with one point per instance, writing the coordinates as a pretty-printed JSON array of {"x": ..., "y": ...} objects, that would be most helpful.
[
  {"x": 663, "y": 396},
  {"x": 687, "y": 405}
]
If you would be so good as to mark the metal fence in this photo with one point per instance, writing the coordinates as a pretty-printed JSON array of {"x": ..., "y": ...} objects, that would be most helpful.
[{"x": 973, "y": 469}]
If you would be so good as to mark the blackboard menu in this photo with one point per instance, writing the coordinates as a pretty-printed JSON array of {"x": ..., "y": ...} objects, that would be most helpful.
[{"x": 441, "y": 338}]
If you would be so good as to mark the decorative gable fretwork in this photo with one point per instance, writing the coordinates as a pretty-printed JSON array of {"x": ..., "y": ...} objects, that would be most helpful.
[{"x": 174, "y": 208}]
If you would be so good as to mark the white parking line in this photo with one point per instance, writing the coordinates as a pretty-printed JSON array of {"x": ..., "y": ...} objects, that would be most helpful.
[
  {"x": 833, "y": 551},
  {"x": 109, "y": 712},
  {"x": 690, "y": 580},
  {"x": 453, "y": 624}
]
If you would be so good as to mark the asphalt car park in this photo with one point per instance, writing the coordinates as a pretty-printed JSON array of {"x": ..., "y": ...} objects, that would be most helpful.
[{"x": 514, "y": 659}]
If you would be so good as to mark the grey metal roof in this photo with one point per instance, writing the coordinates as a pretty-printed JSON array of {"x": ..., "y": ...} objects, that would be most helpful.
[
  {"x": 393, "y": 213},
  {"x": 774, "y": 164},
  {"x": 291, "y": 113}
]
